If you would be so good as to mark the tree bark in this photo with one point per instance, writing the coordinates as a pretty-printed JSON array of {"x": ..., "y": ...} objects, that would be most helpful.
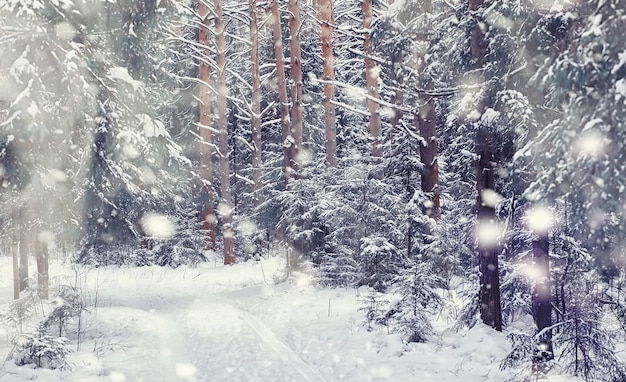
[
  {"x": 23, "y": 267},
  {"x": 281, "y": 85},
  {"x": 226, "y": 208},
  {"x": 371, "y": 80},
  {"x": 42, "y": 269},
  {"x": 427, "y": 127},
  {"x": 489, "y": 295},
  {"x": 328, "y": 75},
  {"x": 15, "y": 250},
  {"x": 255, "y": 119},
  {"x": 474, "y": 4},
  {"x": 397, "y": 98},
  {"x": 542, "y": 299},
  {"x": 296, "y": 89},
  {"x": 206, "y": 167}
]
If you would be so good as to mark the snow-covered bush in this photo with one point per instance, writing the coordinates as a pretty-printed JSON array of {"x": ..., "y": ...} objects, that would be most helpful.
[
  {"x": 20, "y": 311},
  {"x": 337, "y": 270},
  {"x": 177, "y": 240},
  {"x": 374, "y": 304},
  {"x": 418, "y": 300},
  {"x": 184, "y": 247},
  {"x": 586, "y": 346},
  {"x": 68, "y": 304},
  {"x": 42, "y": 350},
  {"x": 376, "y": 260}
]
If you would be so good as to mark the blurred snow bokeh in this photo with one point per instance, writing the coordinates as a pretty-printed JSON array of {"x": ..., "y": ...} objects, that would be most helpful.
[
  {"x": 488, "y": 232},
  {"x": 539, "y": 219},
  {"x": 591, "y": 142},
  {"x": 157, "y": 226}
]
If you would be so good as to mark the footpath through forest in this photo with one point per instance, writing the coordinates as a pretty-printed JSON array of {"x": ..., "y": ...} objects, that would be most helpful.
[{"x": 214, "y": 324}]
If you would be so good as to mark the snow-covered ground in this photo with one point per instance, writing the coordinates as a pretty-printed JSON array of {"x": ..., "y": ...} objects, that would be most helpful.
[{"x": 235, "y": 323}]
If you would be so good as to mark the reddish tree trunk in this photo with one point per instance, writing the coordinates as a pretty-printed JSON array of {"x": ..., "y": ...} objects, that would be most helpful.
[
  {"x": 255, "y": 120},
  {"x": 204, "y": 126},
  {"x": 474, "y": 4},
  {"x": 427, "y": 128},
  {"x": 281, "y": 85},
  {"x": 328, "y": 75},
  {"x": 371, "y": 80},
  {"x": 296, "y": 89},
  {"x": 226, "y": 208}
]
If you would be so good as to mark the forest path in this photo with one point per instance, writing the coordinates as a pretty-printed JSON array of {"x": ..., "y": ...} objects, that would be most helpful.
[
  {"x": 202, "y": 337},
  {"x": 230, "y": 344}
]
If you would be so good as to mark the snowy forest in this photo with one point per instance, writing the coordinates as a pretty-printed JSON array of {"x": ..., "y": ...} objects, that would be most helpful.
[{"x": 313, "y": 190}]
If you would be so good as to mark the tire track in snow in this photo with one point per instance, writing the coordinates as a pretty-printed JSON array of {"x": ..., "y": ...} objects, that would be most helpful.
[
  {"x": 230, "y": 344},
  {"x": 280, "y": 347},
  {"x": 208, "y": 332}
]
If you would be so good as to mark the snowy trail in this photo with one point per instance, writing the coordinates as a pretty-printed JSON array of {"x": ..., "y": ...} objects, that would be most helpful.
[
  {"x": 281, "y": 348},
  {"x": 227, "y": 324},
  {"x": 205, "y": 338},
  {"x": 229, "y": 344}
]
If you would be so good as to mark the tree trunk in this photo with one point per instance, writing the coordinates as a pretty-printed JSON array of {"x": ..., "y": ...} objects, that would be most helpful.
[
  {"x": 474, "y": 4},
  {"x": 478, "y": 46},
  {"x": 489, "y": 295},
  {"x": 204, "y": 126},
  {"x": 281, "y": 86},
  {"x": 427, "y": 127},
  {"x": 23, "y": 267},
  {"x": 255, "y": 119},
  {"x": 226, "y": 208},
  {"x": 15, "y": 249},
  {"x": 328, "y": 75},
  {"x": 397, "y": 98},
  {"x": 137, "y": 15},
  {"x": 296, "y": 89},
  {"x": 542, "y": 300},
  {"x": 42, "y": 269},
  {"x": 426, "y": 123},
  {"x": 371, "y": 80}
]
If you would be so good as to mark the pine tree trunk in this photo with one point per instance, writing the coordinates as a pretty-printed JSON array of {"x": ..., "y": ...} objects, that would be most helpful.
[
  {"x": 15, "y": 251},
  {"x": 23, "y": 267},
  {"x": 206, "y": 167},
  {"x": 281, "y": 85},
  {"x": 296, "y": 89},
  {"x": 474, "y": 4},
  {"x": 328, "y": 75},
  {"x": 371, "y": 81},
  {"x": 138, "y": 14},
  {"x": 489, "y": 295},
  {"x": 255, "y": 119},
  {"x": 397, "y": 61},
  {"x": 426, "y": 122},
  {"x": 226, "y": 208},
  {"x": 42, "y": 269},
  {"x": 542, "y": 299},
  {"x": 397, "y": 98}
]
